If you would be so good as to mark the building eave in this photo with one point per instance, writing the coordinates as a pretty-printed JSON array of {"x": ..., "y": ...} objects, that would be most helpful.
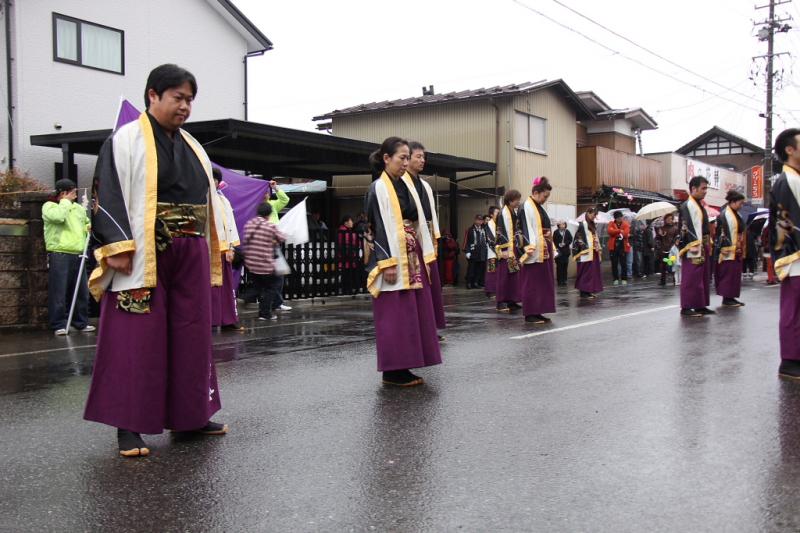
[
  {"x": 717, "y": 131},
  {"x": 256, "y": 40}
]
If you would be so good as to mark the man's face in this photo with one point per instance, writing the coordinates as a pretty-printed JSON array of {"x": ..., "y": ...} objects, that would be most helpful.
[
  {"x": 173, "y": 107},
  {"x": 669, "y": 219},
  {"x": 698, "y": 193},
  {"x": 417, "y": 162},
  {"x": 479, "y": 221},
  {"x": 792, "y": 153}
]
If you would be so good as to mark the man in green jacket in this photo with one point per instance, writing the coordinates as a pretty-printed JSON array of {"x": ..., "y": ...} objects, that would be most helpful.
[
  {"x": 278, "y": 200},
  {"x": 65, "y": 228}
]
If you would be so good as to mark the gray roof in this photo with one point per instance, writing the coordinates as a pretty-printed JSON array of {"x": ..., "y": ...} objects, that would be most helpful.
[{"x": 581, "y": 110}]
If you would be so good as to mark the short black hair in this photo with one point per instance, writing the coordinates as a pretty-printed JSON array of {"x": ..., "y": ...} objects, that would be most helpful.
[
  {"x": 65, "y": 185},
  {"x": 733, "y": 196},
  {"x": 784, "y": 139},
  {"x": 264, "y": 210},
  {"x": 697, "y": 181},
  {"x": 415, "y": 145},
  {"x": 617, "y": 214},
  {"x": 165, "y": 77}
]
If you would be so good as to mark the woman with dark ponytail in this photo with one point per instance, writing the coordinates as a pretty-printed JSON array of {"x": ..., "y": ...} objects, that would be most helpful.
[
  {"x": 586, "y": 252},
  {"x": 538, "y": 284},
  {"x": 398, "y": 280}
]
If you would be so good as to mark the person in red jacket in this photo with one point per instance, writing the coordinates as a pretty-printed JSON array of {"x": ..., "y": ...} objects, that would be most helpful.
[{"x": 619, "y": 233}]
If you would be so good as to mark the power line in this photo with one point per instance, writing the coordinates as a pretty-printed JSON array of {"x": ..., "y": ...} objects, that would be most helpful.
[
  {"x": 634, "y": 43},
  {"x": 629, "y": 58},
  {"x": 704, "y": 100}
]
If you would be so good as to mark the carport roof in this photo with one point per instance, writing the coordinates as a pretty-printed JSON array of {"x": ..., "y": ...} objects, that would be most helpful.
[{"x": 271, "y": 150}]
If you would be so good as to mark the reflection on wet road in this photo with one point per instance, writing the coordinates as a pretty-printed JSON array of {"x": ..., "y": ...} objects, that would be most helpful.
[{"x": 646, "y": 422}]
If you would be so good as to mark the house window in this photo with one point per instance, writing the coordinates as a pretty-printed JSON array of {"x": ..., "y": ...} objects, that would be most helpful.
[
  {"x": 87, "y": 44},
  {"x": 530, "y": 133}
]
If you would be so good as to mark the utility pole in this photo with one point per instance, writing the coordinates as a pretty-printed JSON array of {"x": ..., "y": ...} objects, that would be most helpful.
[{"x": 767, "y": 33}]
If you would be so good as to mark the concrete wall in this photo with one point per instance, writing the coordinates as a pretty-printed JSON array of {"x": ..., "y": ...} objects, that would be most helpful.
[{"x": 187, "y": 32}]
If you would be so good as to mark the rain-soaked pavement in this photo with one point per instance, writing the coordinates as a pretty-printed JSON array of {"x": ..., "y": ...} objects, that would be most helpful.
[{"x": 648, "y": 422}]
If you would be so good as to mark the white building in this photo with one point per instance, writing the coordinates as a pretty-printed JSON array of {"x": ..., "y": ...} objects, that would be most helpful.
[
  {"x": 679, "y": 169},
  {"x": 70, "y": 61}
]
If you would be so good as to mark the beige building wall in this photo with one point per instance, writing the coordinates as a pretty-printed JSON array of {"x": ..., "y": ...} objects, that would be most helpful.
[
  {"x": 465, "y": 129},
  {"x": 560, "y": 163}
]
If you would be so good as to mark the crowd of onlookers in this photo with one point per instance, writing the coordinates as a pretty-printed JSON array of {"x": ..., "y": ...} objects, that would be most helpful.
[{"x": 634, "y": 248}]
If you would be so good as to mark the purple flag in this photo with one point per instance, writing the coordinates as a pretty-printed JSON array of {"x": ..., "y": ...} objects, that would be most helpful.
[
  {"x": 127, "y": 113},
  {"x": 244, "y": 193}
]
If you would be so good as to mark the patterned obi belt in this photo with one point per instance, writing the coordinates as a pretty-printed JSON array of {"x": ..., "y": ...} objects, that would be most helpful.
[
  {"x": 414, "y": 266},
  {"x": 177, "y": 221}
]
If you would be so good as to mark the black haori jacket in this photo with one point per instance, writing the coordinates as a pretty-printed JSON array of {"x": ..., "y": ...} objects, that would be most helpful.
[
  {"x": 694, "y": 218},
  {"x": 784, "y": 221},
  {"x": 506, "y": 237},
  {"x": 728, "y": 238}
]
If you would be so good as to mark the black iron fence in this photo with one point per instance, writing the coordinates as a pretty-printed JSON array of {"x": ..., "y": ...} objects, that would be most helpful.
[{"x": 321, "y": 269}]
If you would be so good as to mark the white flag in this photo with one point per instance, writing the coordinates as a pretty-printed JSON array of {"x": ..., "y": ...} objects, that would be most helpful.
[{"x": 294, "y": 224}]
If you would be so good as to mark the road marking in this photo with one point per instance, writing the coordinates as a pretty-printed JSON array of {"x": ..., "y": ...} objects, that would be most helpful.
[
  {"x": 68, "y": 348},
  {"x": 595, "y": 322}
]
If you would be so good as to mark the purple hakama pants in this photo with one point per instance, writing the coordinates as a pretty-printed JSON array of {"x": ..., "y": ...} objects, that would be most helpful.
[
  {"x": 490, "y": 282},
  {"x": 590, "y": 276},
  {"x": 436, "y": 295},
  {"x": 695, "y": 283},
  {"x": 729, "y": 278},
  {"x": 155, "y": 371},
  {"x": 507, "y": 283},
  {"x": 538, "y": 288},
  {"x": 405, "y": 327},
  {"x": 223, "y": 299},
  {"x": 789, "y": 325}
]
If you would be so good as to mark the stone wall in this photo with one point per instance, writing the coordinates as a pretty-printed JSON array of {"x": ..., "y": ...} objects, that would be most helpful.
[{"x": 23, "y": 265}]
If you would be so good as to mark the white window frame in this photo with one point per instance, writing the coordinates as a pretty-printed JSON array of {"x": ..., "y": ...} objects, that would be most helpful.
[
  {"x": 79, "y": 61},
  {"x": 527, "y": 147}
]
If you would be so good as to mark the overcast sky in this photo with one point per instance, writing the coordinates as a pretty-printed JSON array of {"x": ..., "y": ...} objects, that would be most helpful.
[{"x": 334, "y": 54}]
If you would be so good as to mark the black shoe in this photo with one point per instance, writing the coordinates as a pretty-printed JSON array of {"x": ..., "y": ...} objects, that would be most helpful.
[
  {"x": 441, "y": 338},
  {"x": 131, "y": 444},
  {"x": 691, "y": 312},
  {"x": 212, "y": 428},
  {"x": 588, "y": 295},
  {"x": 537, "y": 319},
  {"x": 401, "y": 378},
  {"x": 789, "y": 369},
  {"x": 732, "y": 302},
  {"x": 705, "y": 311},
  {"x": 503, "y": 308},
  {"x": 513, "y": 306}
]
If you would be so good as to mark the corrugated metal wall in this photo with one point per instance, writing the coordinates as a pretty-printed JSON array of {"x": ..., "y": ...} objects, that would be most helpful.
[
  {"x": 598, "y": 165},
  {"x": 559, "y": 165}
]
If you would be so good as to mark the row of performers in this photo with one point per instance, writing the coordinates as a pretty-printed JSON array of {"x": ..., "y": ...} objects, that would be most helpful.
[{"x": 403, "y": 274}]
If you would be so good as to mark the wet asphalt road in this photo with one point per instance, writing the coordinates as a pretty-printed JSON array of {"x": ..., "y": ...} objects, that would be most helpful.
[{"x": 650, "y": 422}]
